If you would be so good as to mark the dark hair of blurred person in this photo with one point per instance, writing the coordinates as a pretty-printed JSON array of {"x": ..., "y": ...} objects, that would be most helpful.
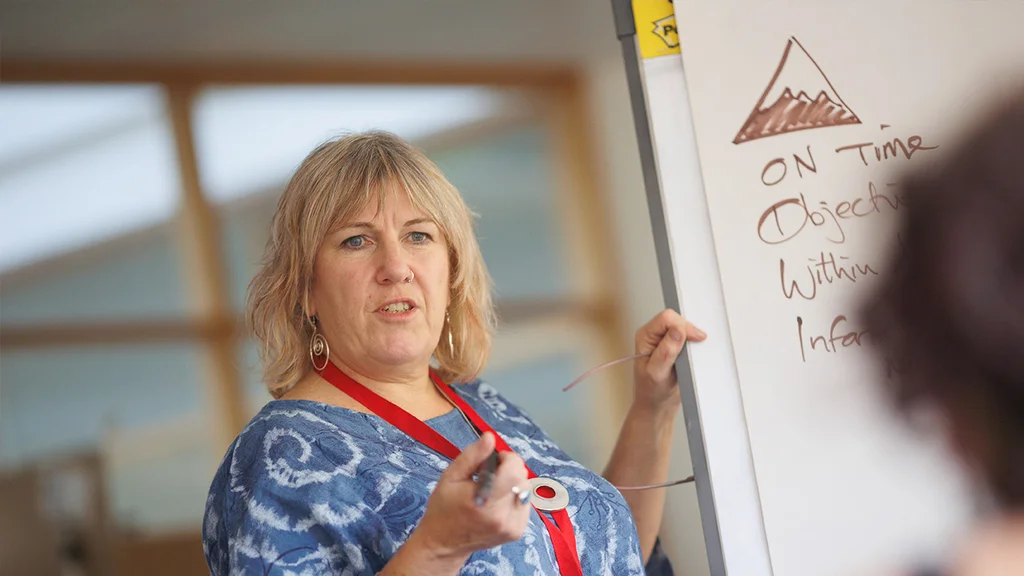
[{"x": 949, "y": 319}]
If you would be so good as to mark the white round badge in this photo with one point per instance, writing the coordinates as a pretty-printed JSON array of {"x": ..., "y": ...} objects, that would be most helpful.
[{"x": 549, "y": 504}]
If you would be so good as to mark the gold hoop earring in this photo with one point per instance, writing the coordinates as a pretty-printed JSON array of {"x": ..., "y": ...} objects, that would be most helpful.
[
  {"x": 318, "y": 347},
  {"x": 451, "y": 344}
]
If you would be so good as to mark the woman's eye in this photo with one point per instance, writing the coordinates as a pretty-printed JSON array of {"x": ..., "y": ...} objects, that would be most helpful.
[
  {"x": 354, "y": 242},
  {"x": 419, "y": 237}
]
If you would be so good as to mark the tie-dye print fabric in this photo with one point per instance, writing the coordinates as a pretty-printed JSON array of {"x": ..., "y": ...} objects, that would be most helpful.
[{"x": 309, "y": 488}]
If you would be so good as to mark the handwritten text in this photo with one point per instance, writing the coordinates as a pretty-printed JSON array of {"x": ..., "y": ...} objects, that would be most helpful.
[
  {"x": 787, "y": 218},
  {"x": 824, "y": 269}
]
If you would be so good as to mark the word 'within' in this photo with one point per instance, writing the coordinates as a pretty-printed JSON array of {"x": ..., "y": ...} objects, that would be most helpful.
[{"x": 824, "y": 269}]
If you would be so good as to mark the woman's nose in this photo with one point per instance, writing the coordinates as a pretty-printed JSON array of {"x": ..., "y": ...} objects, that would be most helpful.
[{"x": 394, "y": 266}]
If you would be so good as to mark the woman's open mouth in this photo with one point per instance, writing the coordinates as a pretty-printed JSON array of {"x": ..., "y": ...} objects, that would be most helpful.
[{"x": 397, "y": 308}]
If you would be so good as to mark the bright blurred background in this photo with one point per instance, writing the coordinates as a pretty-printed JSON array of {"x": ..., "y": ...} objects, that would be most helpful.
[{"x": 143, "y": 147}]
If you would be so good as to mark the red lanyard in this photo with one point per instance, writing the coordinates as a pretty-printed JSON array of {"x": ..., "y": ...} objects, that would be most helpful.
[{"x": 562, "y": 536}]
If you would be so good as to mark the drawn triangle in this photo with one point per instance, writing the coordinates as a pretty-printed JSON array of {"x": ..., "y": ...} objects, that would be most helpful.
[{"x": 791, "y": 107}]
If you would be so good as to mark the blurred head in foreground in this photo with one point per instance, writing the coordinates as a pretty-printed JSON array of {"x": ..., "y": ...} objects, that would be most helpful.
[{"x": 950, "y": 313}]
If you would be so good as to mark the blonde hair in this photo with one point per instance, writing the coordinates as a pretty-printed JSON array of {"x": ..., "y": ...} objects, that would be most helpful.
[{"x": 333, "y": 184}]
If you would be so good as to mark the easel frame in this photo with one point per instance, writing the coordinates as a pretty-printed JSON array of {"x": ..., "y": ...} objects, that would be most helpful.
[{"x": 625, "y": 30}]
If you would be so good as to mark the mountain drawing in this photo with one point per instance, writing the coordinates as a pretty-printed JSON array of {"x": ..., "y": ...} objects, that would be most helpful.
[{"x": 792, "y": 108}]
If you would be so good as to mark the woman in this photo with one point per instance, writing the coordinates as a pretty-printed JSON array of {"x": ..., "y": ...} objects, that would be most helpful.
[
  {"x": 950, "y": 318},
  {"x": 367, "y": 460}
]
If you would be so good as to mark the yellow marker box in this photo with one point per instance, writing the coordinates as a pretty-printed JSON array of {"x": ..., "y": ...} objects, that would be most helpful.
[{"x": 656, "y": 30}]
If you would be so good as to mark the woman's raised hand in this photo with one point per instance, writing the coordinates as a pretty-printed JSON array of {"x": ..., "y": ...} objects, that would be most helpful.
[
  {"x": 453, "y": 526},
  {"x": 655, "y": 383}
]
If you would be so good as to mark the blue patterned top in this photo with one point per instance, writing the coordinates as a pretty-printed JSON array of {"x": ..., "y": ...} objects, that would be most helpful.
[{"x": 311, "y": 488}]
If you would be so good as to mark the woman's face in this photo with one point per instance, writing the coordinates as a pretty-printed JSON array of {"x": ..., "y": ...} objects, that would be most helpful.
[{"x": 378, "y": 322}]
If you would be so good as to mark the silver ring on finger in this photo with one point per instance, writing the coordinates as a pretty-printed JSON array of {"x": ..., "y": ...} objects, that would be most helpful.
[{"x": 522, "y": 496}]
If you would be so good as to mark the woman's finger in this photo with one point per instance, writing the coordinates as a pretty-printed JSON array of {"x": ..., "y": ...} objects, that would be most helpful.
[
  {"x": 650, "y": 336},
  {"x": 694, "y": 333},
  {"x": 511, "y": 470},
  {"x": 663, "y": 358}
]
